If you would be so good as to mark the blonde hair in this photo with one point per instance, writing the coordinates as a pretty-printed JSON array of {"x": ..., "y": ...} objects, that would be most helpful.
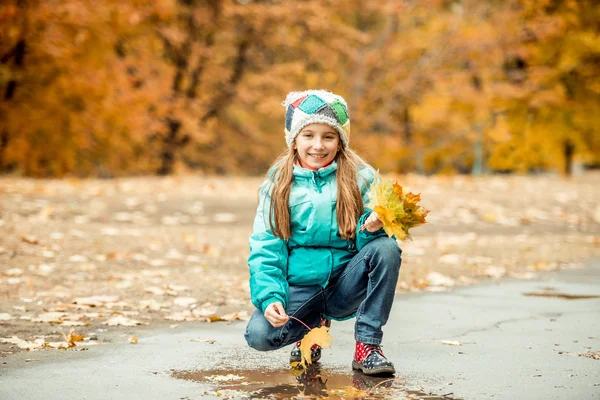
[{"x": 349, "y": 206}]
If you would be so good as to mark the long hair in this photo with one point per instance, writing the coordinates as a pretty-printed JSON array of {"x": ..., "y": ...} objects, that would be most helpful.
[{"x": 349, "y": 206}]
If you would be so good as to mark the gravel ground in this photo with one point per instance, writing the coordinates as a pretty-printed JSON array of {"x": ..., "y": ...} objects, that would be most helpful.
[{"x": 88, "y": 257}]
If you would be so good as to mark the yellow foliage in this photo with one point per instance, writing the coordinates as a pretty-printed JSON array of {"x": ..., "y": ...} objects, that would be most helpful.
[
  {"x": 119, "y": 87},
  {"x": 396, "y": 207}
]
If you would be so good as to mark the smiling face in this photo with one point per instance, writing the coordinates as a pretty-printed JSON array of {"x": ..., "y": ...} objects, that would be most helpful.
[{"x": 317, "y": 145}]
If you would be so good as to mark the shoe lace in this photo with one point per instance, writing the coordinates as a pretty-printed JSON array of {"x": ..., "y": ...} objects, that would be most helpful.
[{"x": 370, "y": 348}]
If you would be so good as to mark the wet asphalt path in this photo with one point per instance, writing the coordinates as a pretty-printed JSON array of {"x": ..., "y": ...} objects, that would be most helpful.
[{"x": 512, "y": 345}]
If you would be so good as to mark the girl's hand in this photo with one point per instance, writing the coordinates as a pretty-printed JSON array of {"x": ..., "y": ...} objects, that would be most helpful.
[
  {"x": 373, "y": 223},
  {"x": 275, "y": 314}
]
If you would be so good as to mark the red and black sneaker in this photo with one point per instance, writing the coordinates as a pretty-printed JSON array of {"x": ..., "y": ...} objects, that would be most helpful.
[
  {"x": 296, "y": 355},
  {"x": 369, "y": 359}
]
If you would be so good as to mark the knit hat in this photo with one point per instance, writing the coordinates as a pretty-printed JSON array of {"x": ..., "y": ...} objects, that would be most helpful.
[{"x": 315, "y": 107}]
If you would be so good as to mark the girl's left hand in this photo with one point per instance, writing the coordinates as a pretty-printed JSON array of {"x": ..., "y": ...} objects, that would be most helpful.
[{"x": 373, "y": 223}]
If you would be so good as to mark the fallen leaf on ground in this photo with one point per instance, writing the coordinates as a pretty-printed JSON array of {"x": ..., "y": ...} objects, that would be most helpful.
[
  {"x": 543, "y": 266},
  {"x": 74, "y": 337},
  {"x": 495, "y": 272},
  {"x": 185, "y": 315},
  {"x": 523, "y": 275},
  {"x": 123, "y": 321},
  {"x": 51, "y": 317},
  {"x": 465, "y": 280},
  {"x": 203, "y": 312},
  {"x": 78, "y": 258},
  {"x": 13, "y": 272},
  {"x": 234, "y": 316},
  {"x": 224, "y": 218},
  {"x": 348, "y": 392},
  {"x": 225, "y": 378},
  {"x": 22, "y": 344},
  {"x": 450, "y": 342},
  {"x": 209, "y": 341},
  {"x": 95, "y": 301},
  {"x": 437, "y": 279},
  {"x": 184, "y": 301},
  {"x": 453, "y": 259},
  {"x": 58, "y": 345},
  {"x": 152, "y": 305},
  {"x": 133, "y": 340},
  {"x": 75, "y": 323},
  {"x": 30, "y": 239},
  {"x": 156, "y": 291},
  {"x": 177, "y": 288}
]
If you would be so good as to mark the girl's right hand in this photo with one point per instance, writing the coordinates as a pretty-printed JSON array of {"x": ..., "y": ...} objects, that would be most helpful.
[{"x": 275, "y": 314}]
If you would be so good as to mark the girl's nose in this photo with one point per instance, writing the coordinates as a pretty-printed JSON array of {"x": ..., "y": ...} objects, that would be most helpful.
[{"x": 318, "y": 144}]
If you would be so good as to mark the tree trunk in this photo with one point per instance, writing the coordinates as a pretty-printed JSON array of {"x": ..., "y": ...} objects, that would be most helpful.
[
  {"x": 19, "y": 55},
  {"x": 477, "y": 169},
  {"x": 169, "y": 144},
  {"x": 568, "y": 152},
  {"x": 408, "y": 132}
]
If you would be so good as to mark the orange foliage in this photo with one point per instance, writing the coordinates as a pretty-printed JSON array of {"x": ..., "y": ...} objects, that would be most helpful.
[{"x": 144, "y": 86}]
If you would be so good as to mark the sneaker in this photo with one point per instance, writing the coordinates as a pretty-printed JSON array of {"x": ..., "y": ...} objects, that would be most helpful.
[
  {"x": 369, "y": 359},
  {"x": 296, "y": 355}
]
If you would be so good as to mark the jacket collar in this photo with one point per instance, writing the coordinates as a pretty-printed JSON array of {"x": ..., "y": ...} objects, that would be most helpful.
[{"x": 300, "y": 172}]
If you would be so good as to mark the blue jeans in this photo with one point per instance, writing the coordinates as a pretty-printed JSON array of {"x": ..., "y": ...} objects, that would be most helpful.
[{"x": 366, "y": 286}]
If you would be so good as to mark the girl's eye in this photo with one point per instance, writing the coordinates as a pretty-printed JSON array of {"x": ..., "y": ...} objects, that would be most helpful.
[
  {"x": 329, "y": 137},
  {"x": 308, "y": 135}
]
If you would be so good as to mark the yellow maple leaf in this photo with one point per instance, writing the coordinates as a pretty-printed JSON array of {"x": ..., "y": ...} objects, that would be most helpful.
[
  {"x": 319, "y": 336},
  {"x": 73, "y": 337},
  {"x": 397, "y": 207},
  {"x": 389, "y": 226}
]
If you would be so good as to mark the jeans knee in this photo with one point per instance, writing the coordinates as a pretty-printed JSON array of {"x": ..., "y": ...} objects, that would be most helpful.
[
  {"x": 258, "y": 338},
  {"x": 388, "y": 250},
  {"x": 258, "y": 343}
]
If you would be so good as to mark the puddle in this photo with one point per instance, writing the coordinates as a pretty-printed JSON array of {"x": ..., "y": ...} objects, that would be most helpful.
[
  {"x": 563, "y": 296},
  {"x": 314, "y": 383}
]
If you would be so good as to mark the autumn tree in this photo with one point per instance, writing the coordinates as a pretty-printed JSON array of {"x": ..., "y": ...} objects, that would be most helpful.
[
  {"x": 554, "y": 113},
  {"x": 67, "y": 102},
  {"x": 142, "y": 86}
]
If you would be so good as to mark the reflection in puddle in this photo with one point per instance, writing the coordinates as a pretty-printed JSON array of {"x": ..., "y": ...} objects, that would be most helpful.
[
  {"x": 314, "y": 383},
  {"x": 564, "y": 296}
]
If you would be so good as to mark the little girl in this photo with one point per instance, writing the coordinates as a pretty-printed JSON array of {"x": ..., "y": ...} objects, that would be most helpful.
[{"x": 317, "y": 253}]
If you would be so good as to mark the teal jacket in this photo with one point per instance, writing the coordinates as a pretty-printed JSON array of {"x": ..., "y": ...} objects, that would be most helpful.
[{"x": 315, "y": 253}]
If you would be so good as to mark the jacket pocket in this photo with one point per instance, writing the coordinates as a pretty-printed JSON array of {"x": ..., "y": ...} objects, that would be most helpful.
[{"x": 301, "y": 215}]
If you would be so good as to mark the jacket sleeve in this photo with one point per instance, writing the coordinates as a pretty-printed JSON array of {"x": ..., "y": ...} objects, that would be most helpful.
[
  {"x": 366, "y": 176},
  {"x": 268, "y": 258}
]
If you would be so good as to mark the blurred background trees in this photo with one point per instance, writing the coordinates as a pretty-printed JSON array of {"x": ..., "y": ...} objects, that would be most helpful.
[{"x": 159, "y": 86}]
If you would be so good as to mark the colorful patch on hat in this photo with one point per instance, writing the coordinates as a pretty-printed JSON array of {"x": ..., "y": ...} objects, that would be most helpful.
[
  {"x": 311, "y": 104},
  {"x": 346, "y": 127},
  {"x": 297, "y": 102},
  {"x": 289, "y": 115},
  {"x": 328, "y": 112},
  {"x": 340, "y": 110}
]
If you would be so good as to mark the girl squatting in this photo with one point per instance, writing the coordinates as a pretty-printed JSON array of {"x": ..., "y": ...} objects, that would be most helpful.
[{"x": 317, "y": 252}]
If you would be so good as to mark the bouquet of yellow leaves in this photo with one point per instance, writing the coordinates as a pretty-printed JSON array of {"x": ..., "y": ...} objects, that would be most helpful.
[{"x": 397, "y": 207}]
